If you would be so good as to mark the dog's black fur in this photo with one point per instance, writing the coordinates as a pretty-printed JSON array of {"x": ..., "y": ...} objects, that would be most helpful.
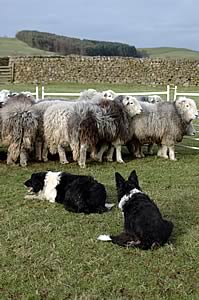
[
  {"x": 144, "y": 226},
  {"x": 77, "y": 193}
]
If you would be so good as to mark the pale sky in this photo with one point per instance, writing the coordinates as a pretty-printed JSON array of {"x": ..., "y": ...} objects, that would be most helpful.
[{"x": 142, "y": 23}]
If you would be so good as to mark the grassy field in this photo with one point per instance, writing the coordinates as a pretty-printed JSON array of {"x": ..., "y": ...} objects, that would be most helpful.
[
  {"x": 13, "y": 46},
  {"x": 169, "y": 52},
  {"x": 49, "y": 253}
]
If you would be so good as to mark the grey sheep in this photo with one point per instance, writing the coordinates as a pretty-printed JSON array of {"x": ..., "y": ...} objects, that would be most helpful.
[
  {"x": 19, "y": 127},
  {"x": 165, "y": 125}
]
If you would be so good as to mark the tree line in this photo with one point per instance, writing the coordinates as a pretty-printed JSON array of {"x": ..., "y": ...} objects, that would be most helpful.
[{"x": 66, "y": 45}]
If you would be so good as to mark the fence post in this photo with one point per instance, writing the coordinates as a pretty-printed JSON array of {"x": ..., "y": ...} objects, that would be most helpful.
[
  {"x": 168, "y": 92},
  {"x": 42, "y": 92},
  {"x": 12, "y": 72},
  {"x": 175, "y": 92},
  {"x": 37, "y": 91}
]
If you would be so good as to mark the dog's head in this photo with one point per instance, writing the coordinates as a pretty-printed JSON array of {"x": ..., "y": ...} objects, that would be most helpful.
[
  {"x": 36, "y": 182},
  {"x": 125, "y": 186}
]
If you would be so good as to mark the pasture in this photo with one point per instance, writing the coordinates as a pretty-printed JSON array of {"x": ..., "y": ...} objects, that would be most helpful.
[
  {"x": 170, "y": 52},
  {"x": 49, "y": 253},
  {"x": 13, "y": 46}
]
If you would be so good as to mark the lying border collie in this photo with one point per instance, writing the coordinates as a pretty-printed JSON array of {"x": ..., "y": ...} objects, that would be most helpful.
[
  {"x": 78, "y": 193},
  {"x": 144, "y": 226}
]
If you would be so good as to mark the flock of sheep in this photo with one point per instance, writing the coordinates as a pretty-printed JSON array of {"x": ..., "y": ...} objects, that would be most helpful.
[{"x": 98, "y": 122}]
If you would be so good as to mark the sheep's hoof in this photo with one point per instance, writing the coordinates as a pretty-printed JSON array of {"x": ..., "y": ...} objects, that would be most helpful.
[
  {"x": 120, "y": 161},
  {"x": 23, "y": 164},
  {"x": 64, "y": 162},
  {"x": 97, "y": 158},
  {"x": 164, "y": 157},
  {"x": 109, "y": 159},
  {"x": 45, "y": 159},
  {"x": 82, "y": 166},
  {"x": 11, "y": 163},
  {"x": 139, "y": 156}
]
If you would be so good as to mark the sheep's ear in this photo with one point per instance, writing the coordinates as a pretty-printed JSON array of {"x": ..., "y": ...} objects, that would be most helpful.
[{"x": 120, "y": 181}]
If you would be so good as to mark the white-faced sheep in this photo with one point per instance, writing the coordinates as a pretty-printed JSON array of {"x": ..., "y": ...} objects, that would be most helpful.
[
  {"x": 150, "y": 99},
  {"x": 165, "y": 126},
  {"x": 95, "y": 96}
]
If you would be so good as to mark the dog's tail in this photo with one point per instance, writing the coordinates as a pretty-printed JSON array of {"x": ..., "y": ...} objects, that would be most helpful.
[{"x": 123, "y": 239}]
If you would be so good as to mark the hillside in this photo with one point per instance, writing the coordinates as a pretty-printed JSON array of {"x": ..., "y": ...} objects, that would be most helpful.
[
  {"x": 12, "y": 46},
  {"x": 167, "y": 52}
]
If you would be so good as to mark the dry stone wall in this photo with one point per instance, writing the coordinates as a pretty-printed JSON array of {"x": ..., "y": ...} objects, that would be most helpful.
[{"x": 106, "y": 70}]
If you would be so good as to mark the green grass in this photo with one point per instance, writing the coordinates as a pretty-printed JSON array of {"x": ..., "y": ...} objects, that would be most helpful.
[
  {"x": 49, "y": 253},
  {"x": 15, "y": 47},
  {"x": 169, "y": 52}
]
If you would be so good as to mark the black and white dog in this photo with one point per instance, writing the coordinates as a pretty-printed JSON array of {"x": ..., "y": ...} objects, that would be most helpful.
[
  {"x": 144, "y": 226},
  {"x": 78, "y": 193}
]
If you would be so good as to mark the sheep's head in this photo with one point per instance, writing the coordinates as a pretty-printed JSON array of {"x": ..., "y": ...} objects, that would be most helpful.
[
  {"x": 154, "y": 99},
  {"x": 187, "y": 109},
  {"x": 132, "y": 105},
  {"x": 109, "y": 94},
  {"x": 88, "y": 94}
]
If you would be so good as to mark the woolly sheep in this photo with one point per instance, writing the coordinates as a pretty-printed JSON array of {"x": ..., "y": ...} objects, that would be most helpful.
[
  {"x": 19, "y": 127},
  {"x": 64, "y": 126},
  {"x": 165, "y": 127},
  {"x": 109, "y": 124}
]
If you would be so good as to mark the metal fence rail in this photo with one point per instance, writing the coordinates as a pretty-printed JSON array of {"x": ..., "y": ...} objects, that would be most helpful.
[
  {"x": 176, "y": 93},
  {"x": 167, "y": 93}
]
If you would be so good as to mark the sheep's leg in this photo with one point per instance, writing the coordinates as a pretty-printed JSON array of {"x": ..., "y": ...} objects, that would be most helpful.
[
  {"x": 171, "y": 153},
  {"x": 82, "y": 157},
  {"x": 119, "y": 153},
  {"x": 38, "y": 151},
  {"x": 45, "y": 152},
  {"x": 150, "y": 149},
  {"x": 100, "y": 153},
  {"x": 130, "y": 147},
  {"x": 110, "y": 153},
  {"x": 23, "y": 158},
  {"x": 10, "y": 161},
  {"x": 13, "y": 153},
  {"x": 75, "y": 151},
  {"x": 138, "y": 151},
  {"x": 62, "y": 155},
  {"x": 162, "y": 152},
  {"x": 93, "y": 153}
]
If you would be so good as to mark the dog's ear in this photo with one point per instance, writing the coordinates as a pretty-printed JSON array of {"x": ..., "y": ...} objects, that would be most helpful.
[
  {"x": 120, "y": 181},
  {"x": 133, "y": 177}
]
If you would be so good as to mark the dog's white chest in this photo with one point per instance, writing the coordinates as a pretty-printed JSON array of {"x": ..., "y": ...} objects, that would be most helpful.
[
  {"x": 51, "y": 182},
  {"x": 126, "y": 198}
]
